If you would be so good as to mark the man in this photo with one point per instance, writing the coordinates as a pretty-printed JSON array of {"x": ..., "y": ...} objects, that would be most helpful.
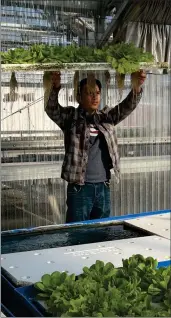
[{"x": 90, "y": 146}]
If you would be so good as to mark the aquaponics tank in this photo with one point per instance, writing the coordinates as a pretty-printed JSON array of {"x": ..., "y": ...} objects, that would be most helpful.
[{"x": 28, "y": 254}]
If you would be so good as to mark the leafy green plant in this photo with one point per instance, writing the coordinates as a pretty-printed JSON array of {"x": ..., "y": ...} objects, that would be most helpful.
[
  {"x": 138, "y": 289},
  {"x": 126, "y": 58}
]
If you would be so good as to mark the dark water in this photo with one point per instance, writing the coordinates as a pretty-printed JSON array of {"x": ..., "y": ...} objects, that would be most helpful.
[{"x": 67, "y": 237}]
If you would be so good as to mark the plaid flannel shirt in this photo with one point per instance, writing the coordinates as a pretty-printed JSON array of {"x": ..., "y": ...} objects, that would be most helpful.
[{"x": 73, "y": 122}]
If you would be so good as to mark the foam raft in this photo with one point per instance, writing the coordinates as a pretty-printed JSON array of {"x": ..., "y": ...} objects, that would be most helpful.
[{"x": 77, "y": 66}]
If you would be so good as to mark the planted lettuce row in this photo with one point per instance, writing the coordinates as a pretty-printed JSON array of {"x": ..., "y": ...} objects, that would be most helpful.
[{"x": 138, "y": 289}]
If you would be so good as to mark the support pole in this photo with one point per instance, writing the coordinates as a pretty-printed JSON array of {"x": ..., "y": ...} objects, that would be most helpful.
[{"x": 99, "y": 28}]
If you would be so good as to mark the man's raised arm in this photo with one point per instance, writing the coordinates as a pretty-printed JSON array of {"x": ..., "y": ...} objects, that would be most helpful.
[
  {"x": 59, "y": 114},
  {"x": 125, "y": 108}
]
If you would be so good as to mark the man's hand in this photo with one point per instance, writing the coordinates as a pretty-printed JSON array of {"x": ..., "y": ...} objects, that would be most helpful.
[
  {"x": 138, "y": 79},
  {"x": 56, "y": 79}
]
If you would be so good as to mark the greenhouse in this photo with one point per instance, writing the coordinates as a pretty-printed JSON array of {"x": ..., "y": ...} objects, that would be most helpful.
[{"x": 56, "y": 259}]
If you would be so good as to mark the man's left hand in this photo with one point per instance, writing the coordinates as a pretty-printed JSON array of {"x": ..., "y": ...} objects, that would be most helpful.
[{"x": 138, "y": 79}]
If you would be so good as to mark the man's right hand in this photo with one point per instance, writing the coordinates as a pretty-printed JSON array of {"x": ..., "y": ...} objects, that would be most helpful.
[{"x": 56, "y": 79}]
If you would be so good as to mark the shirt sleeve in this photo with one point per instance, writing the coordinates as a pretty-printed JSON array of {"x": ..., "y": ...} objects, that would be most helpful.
[
  {"x": 125, "y": 108},
  {"x": 59, "y": 114}
]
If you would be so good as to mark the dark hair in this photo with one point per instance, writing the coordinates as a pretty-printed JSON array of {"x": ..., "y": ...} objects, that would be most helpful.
[{"x": 83, "y": 82}]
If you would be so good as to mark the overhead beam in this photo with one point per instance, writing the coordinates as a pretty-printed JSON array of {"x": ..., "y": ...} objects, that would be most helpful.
[
  {"x": 113, "y": 25},
  {"x": 79, "y": 26}
]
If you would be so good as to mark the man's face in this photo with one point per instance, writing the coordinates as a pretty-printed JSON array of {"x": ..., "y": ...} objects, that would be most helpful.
[{"x": 90, "y": 101}]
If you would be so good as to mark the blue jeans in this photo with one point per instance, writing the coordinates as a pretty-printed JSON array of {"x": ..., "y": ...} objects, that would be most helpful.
[{"x": 87, "y": 202}]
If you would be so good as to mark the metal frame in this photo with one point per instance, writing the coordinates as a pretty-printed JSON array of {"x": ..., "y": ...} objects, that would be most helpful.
[
  {"x": 113, "y": 25},
  {"x": 89, "y": 6}
]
